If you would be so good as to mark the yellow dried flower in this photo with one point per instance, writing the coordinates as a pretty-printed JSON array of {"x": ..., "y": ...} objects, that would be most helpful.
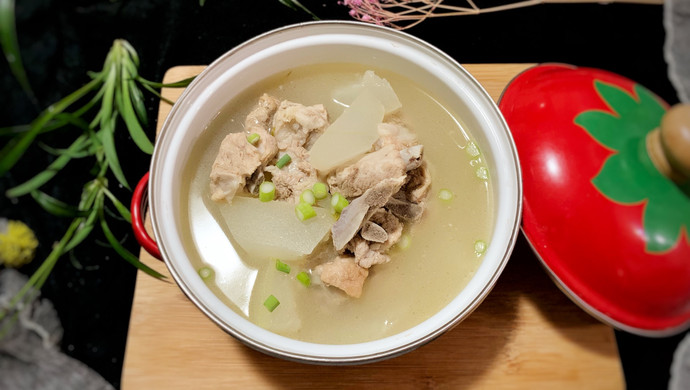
[{"x": 17, "y": 243}]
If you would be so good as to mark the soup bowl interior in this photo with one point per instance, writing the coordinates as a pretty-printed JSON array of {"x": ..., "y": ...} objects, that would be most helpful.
[{"x": 322, "y": 43}]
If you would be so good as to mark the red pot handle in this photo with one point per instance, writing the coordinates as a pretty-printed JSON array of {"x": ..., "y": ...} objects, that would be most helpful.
[{"x": 138, "y": 208}]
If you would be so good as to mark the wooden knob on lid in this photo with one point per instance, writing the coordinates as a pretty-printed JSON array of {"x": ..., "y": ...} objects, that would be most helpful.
[{"x": 669, "y": 145}]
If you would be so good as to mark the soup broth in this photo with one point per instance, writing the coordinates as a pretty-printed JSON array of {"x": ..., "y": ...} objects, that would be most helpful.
[{"x": 433, "y": 262}]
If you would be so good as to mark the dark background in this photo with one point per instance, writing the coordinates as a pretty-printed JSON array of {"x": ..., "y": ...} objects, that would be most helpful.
[{"x": 61, "y": 40}]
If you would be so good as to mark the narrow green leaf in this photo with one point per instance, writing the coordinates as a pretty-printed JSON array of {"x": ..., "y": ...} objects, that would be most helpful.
[
  {"x": 10, "y": 46},
  {"x": 90, "y": 194},
  {"x": 10, "y": 154},
  {"x": 94, "y": 100},
  {"x": 56, "y": 206},
  {"x": 84, "y": 152},
  {"x": 106, "y": 136},
  {"x": 288, "y": 4},
  {"x": 127, "y": 112},
  {"x": 138, "y": 102},
  {"x": 66, "y": 118},
  {"x": 176, "y": 84},
  {"x": 121, "y": 208},
  {"x": 153, "y": 91},
  {"x": 295, "y": 4},
  {"x": 38, "y": 278},
  {"x": 13, "y": 131},
  {"x": 60, "y": 120},
  {"x": 131, "y": 51},
  {"x": 83, "y": 231},
  {"x": 105, "y": 113},
  {"x": 124, "y": 253},
  {"x": 47, "y": 174}
]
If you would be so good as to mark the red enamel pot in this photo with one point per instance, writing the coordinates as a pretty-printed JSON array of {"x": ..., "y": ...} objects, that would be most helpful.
[{"x": 609, "y": 227}]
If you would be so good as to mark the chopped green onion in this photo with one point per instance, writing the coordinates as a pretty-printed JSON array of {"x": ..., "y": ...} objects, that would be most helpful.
[
  {"x": 472, "y": 149},
  {"x": 304, "y": 211},
  {"x": 339, "y": 202},
  {"x": 253, "y": 138},
  {"x": 308, "y": 197},
  {"x": 271, "y": 303},
  {"x": 283, "y": 160},
  {"x": 320, "y": 190},
  {"x": 479, "y": 247},
  {"x": 267, "y": 191},
  {"x": 282, "y": 267},
  {"x": 205, "y": 273},
  {"x": 482, "y": 173},
  {"x": 304, "y": 278},
  {"x": 445, "y": 194}
]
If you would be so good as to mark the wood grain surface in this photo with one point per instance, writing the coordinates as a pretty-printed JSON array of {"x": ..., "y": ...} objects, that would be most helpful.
[{"x": 525, "y": 335}]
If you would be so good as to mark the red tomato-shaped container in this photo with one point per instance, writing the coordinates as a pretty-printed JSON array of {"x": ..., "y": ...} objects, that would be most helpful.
[{"x": 612, "y": 230}]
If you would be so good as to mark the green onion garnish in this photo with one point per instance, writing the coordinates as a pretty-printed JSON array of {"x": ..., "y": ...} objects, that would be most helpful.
[
  {"x": 253, "y": 138},
  {"x": 472, "y": 149},
  {"x": 304, "y": 278},
  {"x": 283, "y": 160},
  {"x": 308, "y": 197},
  {"x": 271, "y": 303},
  {"x": 339, "y": 202},
  {"x": 304, "y": 211},
  {"x": 205, "y": 273},
  {"x": 479, "y": 247},
  {"x": 445, "y": 194},
  {"x": 320, "y": 190},
  {"x": 482, "y": 173},
  {"x": 282, "y": 267},
  {"x": 267, "y": 191}
]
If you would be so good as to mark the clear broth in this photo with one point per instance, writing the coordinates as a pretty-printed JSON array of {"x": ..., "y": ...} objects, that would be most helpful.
[{"x": 418, "y": 282}]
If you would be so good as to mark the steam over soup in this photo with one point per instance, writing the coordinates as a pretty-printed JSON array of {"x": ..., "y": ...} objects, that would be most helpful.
[{"x": 377, "y": 219}]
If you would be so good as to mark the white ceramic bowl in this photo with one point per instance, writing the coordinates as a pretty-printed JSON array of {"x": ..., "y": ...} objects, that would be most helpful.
[{"x": 328, "y": 42}]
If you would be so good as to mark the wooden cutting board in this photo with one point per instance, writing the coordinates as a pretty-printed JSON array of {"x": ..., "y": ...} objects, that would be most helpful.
[{"x": 525, "y": 335}]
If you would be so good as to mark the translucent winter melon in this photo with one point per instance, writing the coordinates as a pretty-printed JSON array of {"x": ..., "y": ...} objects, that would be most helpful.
[{"x": 272, "y": 230}]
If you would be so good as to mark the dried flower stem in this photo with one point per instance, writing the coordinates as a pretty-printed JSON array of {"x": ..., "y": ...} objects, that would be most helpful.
[{"x": 403, "y": 14}]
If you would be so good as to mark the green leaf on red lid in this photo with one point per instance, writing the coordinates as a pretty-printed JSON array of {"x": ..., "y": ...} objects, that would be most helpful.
[{"x": 628, "y": 176}]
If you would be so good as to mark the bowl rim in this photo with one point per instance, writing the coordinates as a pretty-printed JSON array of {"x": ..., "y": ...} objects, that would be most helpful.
[{"x": 347, "y": 357}]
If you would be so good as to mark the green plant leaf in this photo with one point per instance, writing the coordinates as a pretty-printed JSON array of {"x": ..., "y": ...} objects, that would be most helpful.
[
  {"x": 150, "y": 85},
  {"x": 44, "y": 176},
  {"x": 11, "y": 153},
  {"x": 56, "y": 206},
  {"x": 130, "y": 51},
  {"x": 138, "y": 102},
  {"x": 130, "y": 117},
  {"x": 106, "y": 136},
  {"x": 121, "y": 208},
  {"x": 58, "y": 122},
  {"x": 124, "y": 253},
  {"x": 161, "y": 97},
  {"x": 106, "y": 111},
  {"x": 85, "y": 152},
  {"x": 295, "y": 5},
  {"x": 83, "y": 231},
  {"x": 38, "y": 278},
  {"x": 176, "y": 84},
  {"x": 10, "y": 46}
]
